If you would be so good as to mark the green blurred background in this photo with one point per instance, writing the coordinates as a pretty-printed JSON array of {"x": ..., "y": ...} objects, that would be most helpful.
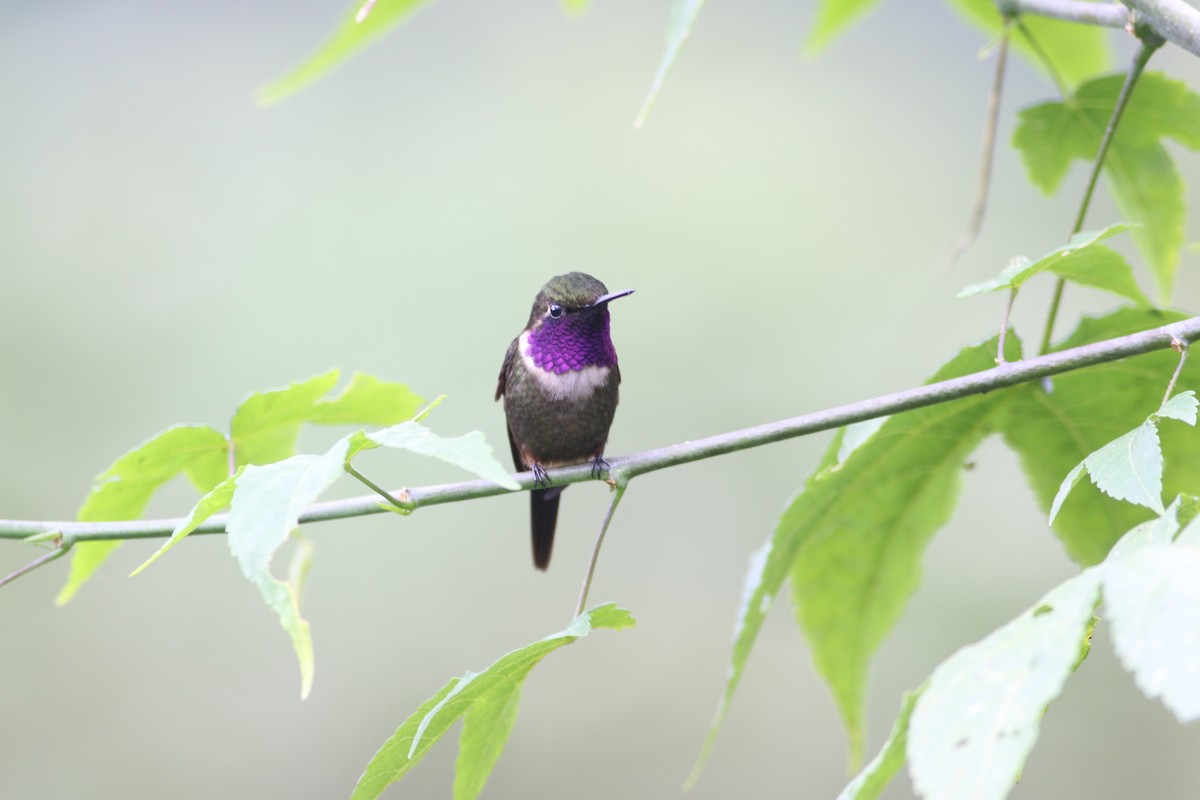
[{"x": 167, "y": 247}]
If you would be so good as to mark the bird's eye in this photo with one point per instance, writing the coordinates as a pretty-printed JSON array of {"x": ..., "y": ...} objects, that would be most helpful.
[{"x": 555, "y": 311}]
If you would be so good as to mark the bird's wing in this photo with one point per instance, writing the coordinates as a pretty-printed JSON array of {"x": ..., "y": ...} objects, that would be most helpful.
[
  {"x": 501, "y": 385},
  {"x": 504, "y": 368},
  {"x": 518, "y": 462}
]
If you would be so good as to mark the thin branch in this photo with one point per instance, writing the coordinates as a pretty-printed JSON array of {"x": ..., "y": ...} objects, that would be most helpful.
[
  {"x": 1108, "y": 15},
  {"x": 1173, "y": 20},
  {"x": 622, "y": 469},
  {"x": 587, "y": 582},
  {"x": 1146, "y": 48},
  {"x": 990, "y": 123},
  {"x": 1147, "y": 44},
  {"x": 58, "y": 552},
  {"x": 1052, "y": 315}
]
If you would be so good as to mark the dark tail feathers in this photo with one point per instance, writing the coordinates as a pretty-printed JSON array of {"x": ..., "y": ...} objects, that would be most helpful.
[{"x": 543, "y": 505}]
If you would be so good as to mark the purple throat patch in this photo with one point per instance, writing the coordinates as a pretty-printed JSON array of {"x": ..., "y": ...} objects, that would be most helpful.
[{"x": 573, "y": 342}]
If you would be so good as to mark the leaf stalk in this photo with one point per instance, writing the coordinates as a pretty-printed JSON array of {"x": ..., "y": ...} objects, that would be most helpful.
[
  {"x": 1182, "y": 348},
  {"x": 64, "y": 545},
  {"x": 618, "y": 493},
  {"x": 386, "y": 495}
]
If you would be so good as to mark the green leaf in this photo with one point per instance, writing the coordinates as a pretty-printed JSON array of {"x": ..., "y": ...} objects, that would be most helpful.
[
  {"x": 266, "y": 507},
  {"x": 768, "y": 569},
  {"x": 679, "y": 28},
  {"x": 1049, "y": 137},
  {"x": 1190, "y": 535},
  {"x": 1130, "y": 467},
  {"x": 1181, "y": 407},
  {"x": 266, "y": 424},
  {"x": 1148, "y": 189},
  {"x": 834, "y": 16},
  {"x": 123, "y": 490},
  {"x": 862, "y": 528},
  {"x": 1188, "y": 509},
  {"x": 268, "y": 499},
  {"x": 1160, "y": 530},
  {"x": 1054, "y": 431},
  {"x": 852, "y": 538},
  {"x": 1080, "y": 259},
  {"x": 350, "y": 37},
  {"x": 486, "y": 699},
  {"x": 1069, "y": 483},
  {"x": 208, "y": 505},
  {"x": 1160, "y": 107},
  {"x": 1103, "y": 269},
  {"x": 367, "y": 400},
  {"x": 1152, "y": 598},
  {"x": 211, "y": 465},
  {"x": 1077, "y": 51},
  {"x": 1141, "y": 175},
  {"x": 1016, "y": 272},
  {"x": 301, "y": 564},
  {"x": 978, "y": 718},
  {"x": 469, "y": 451},
  {"x": 397, "y": 756},
  {"x": 264, "y": 429},
  {"x": 486, "y": 728},
  {"x": 871, "y": 782}
]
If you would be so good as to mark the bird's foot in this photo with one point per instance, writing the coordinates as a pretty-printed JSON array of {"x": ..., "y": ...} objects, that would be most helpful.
[
  {"x": 599, "y": 466},
  {"x": 540, "y": 478}
]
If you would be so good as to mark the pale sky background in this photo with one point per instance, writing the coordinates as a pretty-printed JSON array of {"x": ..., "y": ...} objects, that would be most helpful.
[{"x": 167, "y": 247}]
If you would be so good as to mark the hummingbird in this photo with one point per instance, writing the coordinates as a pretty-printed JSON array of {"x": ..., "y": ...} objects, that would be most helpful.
[{"x": 559, "y": 383}]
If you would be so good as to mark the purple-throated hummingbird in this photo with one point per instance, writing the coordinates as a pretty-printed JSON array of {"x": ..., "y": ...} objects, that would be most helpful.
[{"x": 559, "y": 383}]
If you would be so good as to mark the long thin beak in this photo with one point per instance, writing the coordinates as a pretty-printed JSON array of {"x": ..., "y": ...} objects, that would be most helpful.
[{"x": 610, "y": 297}]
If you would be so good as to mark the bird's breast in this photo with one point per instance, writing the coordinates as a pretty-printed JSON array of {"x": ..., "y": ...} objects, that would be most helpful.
[{"x": 573, "y": 385}]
